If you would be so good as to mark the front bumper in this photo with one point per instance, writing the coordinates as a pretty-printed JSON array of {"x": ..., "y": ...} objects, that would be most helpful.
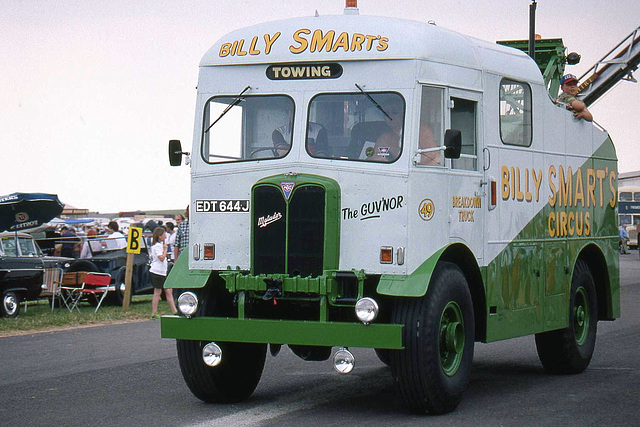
[{"x": 330, "y": 334}]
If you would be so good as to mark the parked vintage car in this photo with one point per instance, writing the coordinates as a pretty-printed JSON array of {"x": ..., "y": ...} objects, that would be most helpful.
[
  {"x": 25, "y": 273},
  {"x": 109, "y": 256}
]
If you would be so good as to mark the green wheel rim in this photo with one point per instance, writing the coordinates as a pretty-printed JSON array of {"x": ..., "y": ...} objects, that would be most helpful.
[
  {"x": 451, "y": 338},
  {"x": 581, "y": 316}
]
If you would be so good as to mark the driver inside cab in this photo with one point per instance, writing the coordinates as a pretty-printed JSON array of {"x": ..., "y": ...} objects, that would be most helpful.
[{"x": 317, "y": 141}]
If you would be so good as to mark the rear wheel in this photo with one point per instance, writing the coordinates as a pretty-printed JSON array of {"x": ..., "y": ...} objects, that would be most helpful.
[
  {"x": 10, "y": 304},
  {"x": 569, "y": 350},
  {"x": 82, "y": 265},
  {"x": 432, "y": 372}
]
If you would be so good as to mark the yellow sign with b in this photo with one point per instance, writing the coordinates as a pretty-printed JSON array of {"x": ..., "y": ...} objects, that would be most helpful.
[{"x": 134, "y": 243}]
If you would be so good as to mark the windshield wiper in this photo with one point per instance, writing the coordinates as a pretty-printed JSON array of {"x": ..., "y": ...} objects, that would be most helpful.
[
  {"x": 373, "y": 101},
  {"x": 230, "y": 106}
]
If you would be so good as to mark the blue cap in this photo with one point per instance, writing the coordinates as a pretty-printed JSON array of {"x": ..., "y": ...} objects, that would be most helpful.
[{"x": 567, "y": 78}]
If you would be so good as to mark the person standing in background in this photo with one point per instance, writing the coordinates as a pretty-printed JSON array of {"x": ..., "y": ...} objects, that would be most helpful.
[
  {"x": 70, "y": 241},
  {"x": 158, "y": 271},
  {"x": 623, "y": 234},
  {"x": 86, "y": 246},
  {"x": 113, "y": 230},
  {"x": 182, "y": 238},
  {"x": 171, "y": 240}
]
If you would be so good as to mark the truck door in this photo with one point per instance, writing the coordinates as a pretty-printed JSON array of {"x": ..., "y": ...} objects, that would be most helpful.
[
  {"x": 515, "y": 274},
  {"x": 466, "y": 187}
]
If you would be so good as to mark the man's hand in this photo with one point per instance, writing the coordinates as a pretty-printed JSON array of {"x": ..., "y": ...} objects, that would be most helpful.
[{"x": 584, "y": 114}]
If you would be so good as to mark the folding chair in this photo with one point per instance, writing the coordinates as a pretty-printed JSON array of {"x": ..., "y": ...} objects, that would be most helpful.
[
  {"x": 53, "y": 281},
  {"x": 71, "y": 282},
  {"x": 93, "y": 284}
]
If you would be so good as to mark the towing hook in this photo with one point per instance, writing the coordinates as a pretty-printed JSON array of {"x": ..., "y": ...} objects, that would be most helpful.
[{"x": 274, "y": 289}]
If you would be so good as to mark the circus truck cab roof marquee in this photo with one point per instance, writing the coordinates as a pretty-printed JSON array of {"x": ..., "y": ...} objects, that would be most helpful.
[{"x": 363, "y": 181}]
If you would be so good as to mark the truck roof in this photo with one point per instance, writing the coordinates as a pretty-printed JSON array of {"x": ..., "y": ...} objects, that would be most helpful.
[{"x": 359, "y": 37}]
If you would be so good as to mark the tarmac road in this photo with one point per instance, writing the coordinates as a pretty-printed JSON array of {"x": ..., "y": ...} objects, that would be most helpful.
[{"x": 126, "y": 375}]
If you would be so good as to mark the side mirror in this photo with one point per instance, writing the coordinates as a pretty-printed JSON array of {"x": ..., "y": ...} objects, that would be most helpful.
[
  {"x": 175, "y": 152},
  {"x": 452, "y": 143}
]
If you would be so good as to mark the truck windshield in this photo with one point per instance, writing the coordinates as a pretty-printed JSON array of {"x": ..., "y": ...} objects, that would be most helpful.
[
  {"x": 257, "y": 127},
  {"x": 349, "y": 126}
]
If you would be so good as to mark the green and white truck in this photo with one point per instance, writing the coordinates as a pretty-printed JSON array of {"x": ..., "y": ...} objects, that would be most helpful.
[{"x": 360, "y": 181}]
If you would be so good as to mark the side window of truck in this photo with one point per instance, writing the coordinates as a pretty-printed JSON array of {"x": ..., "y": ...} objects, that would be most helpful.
[
  {"x": 515, "y": 113},
  {"x": 463, "y": 118},
  {"x": 430, "y": 132}
]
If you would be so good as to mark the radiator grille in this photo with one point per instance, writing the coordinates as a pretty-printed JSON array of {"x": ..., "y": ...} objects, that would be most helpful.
[
  {"x": 269, "y": 230},
  {"x": 288, "y": 237}
]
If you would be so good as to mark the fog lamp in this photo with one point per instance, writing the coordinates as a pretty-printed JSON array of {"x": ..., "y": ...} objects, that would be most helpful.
[
  {"x": 212, "y": 354},
  {"x": 367, "y": 310},
  {"x": 343, "y": 361},
  {"x": 188, "y": 303}
]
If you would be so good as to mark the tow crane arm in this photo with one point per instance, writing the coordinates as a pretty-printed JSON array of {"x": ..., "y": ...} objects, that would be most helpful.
[{"x": 617, "y": 65}]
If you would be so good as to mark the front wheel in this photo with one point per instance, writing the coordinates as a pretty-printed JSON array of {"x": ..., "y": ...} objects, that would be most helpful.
[
  {"x": 433, "y": 370},
  {"x": 569, "y": 350},
  {"x": 239, "y": 372},
  {"x": 233, "y": 380},
  {"x": 10, "y": 304}
]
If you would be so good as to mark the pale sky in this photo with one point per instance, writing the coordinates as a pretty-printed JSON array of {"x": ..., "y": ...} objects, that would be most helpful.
[{"x": 92, "y": 91}]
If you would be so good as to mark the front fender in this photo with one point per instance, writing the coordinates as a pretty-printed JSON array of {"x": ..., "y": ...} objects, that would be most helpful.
[
  {"x": 413, "y": 285},
  {"x": 181, "y": 277}
]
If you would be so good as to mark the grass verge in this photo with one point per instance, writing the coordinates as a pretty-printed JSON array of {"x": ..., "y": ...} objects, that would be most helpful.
[{"x": 39, "y": 318}]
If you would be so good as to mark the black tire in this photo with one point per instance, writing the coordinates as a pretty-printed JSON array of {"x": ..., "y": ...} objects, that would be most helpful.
[
  {"x": 118, "y": 293},
  {"x": 433, "y": 370},
  {"x": 384, "y": 355},
  {"x": 569, "y": 350},
  {"x": 233, "y": 380},
  {"x": 10, "y": 304},
  {"x": 239, "y": 372},
  {"x": 82, "y": 265}
]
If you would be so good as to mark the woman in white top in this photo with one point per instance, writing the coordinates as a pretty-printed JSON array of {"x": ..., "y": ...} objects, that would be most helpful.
[{"x": 158, "y": 271}]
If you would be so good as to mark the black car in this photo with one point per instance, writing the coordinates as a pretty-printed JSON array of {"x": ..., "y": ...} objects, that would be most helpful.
[{"x": 24, "y": 271}]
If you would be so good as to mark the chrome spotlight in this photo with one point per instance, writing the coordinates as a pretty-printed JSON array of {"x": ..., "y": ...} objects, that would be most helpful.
[
  {"x": 212, "y": 354},
  {"x": 343, "y": 361},
  {"x": 367, "y": 310}
]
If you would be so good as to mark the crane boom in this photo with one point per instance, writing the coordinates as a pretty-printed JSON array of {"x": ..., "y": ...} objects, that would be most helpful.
[{"x": 617, "y": 65}]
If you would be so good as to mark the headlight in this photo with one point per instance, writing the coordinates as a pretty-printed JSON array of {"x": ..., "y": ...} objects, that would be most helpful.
[
  {"x": 188, "y": 304},
  {"x": 367, "y": 310}
]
